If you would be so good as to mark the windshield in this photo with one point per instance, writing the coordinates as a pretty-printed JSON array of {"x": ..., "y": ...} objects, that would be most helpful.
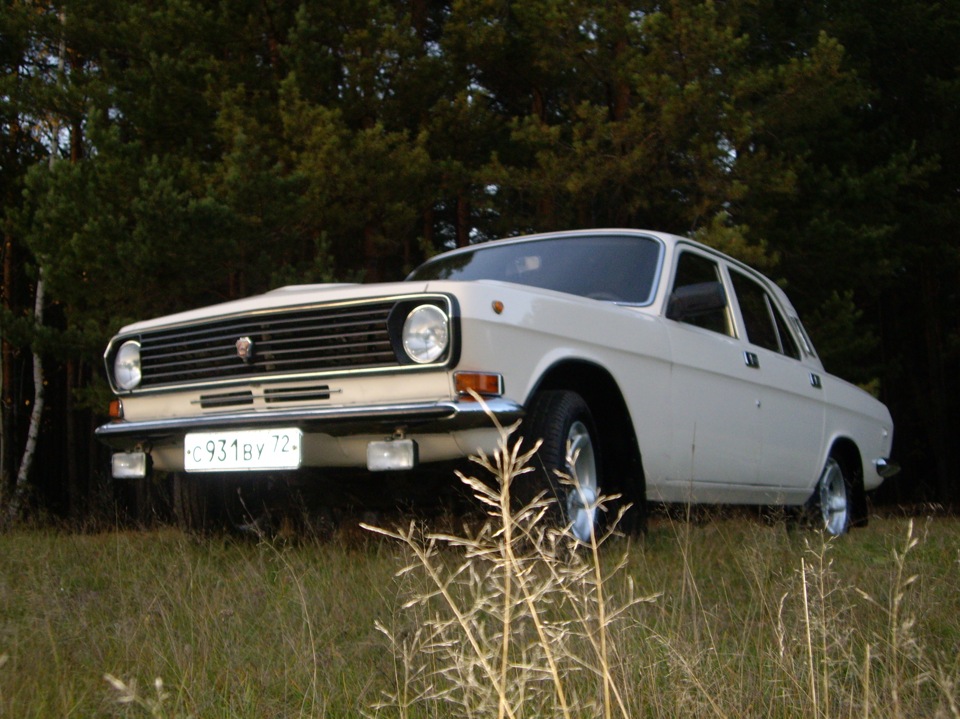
[{"x": 605, "y": 267}]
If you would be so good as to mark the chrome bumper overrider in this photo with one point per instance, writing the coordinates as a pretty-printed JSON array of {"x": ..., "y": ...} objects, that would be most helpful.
[
  {"x": 886, "y": 468},
  {"x": 444, "y": 416}
]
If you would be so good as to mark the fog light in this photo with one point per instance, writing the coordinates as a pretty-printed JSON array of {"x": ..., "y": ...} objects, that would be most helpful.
[
  {"x": 394, "y": 454},
  {"x": 129, "y": 465}
]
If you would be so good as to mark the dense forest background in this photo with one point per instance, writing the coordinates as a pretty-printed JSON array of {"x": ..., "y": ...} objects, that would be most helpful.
[{"x": 162, "y": 154}]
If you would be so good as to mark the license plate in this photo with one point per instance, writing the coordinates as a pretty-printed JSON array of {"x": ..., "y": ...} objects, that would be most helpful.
[{"x": 253, "y": 449}]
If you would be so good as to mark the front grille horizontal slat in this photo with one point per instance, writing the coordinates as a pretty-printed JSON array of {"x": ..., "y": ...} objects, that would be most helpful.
[
  {"x": 187, "y": 375},
  {"x": 301, "y": 341},
  {"x": 368, "y": 347},
  {"x": 306, "y": 336}
]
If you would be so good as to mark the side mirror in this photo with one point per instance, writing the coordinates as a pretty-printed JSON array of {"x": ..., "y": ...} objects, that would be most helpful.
[{"x": 698, "y": 299}]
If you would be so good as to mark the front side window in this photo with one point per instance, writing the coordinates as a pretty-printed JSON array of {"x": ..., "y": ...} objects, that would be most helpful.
[
  {"x": 694, "y": 269},
  {"x": 762, "y": 319}
]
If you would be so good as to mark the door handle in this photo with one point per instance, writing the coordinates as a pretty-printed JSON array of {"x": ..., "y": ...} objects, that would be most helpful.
[{"x": 751, "y": 360}]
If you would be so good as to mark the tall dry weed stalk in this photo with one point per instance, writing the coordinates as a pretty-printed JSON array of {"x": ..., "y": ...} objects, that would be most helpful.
[
  {"x": 511, "y": 619},
  {"x": 911, "y": 678},
  {"x": 840, "y": 669},
  {"x": 155, "y": 706}
]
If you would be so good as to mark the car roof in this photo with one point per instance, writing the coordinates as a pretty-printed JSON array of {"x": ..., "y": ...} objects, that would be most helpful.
[{"x": 606, "y": 231}]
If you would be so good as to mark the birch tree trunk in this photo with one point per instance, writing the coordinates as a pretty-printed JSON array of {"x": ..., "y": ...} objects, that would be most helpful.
[
  {"x": 36, "y": 413},
  {"x": 3, "y": 418},
  {"x": 23, "y": 475}
]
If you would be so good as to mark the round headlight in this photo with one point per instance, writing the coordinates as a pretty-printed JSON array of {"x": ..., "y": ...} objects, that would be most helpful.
[
  {"x": 426, "y": 334},
  {"x": 126, "y": 365}
]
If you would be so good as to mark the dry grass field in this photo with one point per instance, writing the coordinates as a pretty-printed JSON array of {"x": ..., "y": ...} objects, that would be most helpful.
[{"x": 725, "y": 616}]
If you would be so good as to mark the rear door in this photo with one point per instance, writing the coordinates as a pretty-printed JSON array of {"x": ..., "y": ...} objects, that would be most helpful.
[{"x": 792, "y": 405}]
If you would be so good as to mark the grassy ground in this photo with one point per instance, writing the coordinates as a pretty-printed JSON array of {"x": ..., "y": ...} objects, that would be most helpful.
[{"x": 722, "y": 617}]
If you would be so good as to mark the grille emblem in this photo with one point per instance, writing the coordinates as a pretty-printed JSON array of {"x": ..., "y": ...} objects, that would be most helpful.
[{"x": 245, "y": 349}]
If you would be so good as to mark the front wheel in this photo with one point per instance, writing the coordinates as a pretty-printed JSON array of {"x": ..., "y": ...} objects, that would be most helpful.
[
  {"x": 834, "y": 498},
  {"x": 562, "y": 420}
]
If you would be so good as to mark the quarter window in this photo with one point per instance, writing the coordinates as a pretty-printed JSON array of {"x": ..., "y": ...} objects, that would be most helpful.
[{"x": 804, "y": 338}]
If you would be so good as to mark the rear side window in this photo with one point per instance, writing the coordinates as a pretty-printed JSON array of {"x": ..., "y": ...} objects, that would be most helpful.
[{"x": 763, "y": 321}]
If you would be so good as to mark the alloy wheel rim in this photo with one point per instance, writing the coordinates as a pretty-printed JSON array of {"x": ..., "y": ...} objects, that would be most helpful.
[
  {"x": 833, "y": 498},
  {"x": 582, "y": 497}
]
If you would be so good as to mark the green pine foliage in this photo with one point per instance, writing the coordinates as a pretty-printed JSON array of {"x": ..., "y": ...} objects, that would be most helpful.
[{"x": 208, "y": 152}]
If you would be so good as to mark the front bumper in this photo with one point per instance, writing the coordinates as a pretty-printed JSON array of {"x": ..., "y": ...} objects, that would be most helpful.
[
  {"x": 425, "y": 417},
  {"x": 886, "y": 468}
]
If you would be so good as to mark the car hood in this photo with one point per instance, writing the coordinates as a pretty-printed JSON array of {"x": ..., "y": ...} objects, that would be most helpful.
[{"x": 290, "y": 296}]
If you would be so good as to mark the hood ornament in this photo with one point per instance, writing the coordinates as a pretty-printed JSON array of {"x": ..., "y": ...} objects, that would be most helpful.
[{"x": 245, "y": 349}]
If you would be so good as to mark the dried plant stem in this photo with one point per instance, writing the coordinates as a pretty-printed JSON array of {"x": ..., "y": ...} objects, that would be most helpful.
[
  {"x": 506, "y": 471},
  {"x": 807, "y": 622},
  {"x": 443, "y": 588},
  {"x": 505, "y": 480},
  {"x": 866, "y": 683},
  {"x": 546, "y": 645},
  {"x": 601, "y": 624},
  {"x": 899, "y": 627}
]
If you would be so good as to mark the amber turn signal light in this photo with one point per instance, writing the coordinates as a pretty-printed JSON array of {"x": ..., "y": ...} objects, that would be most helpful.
[
  {"x": 116, "y": 409},
  {"x": 485, "y": 384}
]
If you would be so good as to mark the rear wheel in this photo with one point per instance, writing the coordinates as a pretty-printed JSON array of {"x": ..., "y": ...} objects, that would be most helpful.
[
  {"x": 562, "y": 420},
  {"x": 834, "y": 498}
]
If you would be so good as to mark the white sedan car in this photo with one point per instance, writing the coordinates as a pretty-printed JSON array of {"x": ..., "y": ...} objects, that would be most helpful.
[{"x": 675, "y": 373}]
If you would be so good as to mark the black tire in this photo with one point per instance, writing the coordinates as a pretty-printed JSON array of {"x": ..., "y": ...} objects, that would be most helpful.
[
  {"x": 557, "y": 417},
  {"x": 833, "y": 499}
]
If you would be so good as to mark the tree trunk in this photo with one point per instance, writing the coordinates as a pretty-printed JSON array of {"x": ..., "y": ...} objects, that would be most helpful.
[
  {"x": 23, "y": 476},
  {"x": 36, "y": 412},
  {"x": 429, "y": 236},
  {"x": 6, "y": 373},
  {"x": 75, "y": 494},
  {"x": 463, "y": 219},
  {"x": 371, "y": 253},
  {"x": 936, "y": 410}
]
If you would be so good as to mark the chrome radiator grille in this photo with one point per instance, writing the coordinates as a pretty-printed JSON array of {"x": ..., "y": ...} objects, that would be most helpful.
[{"x": 315, "y": 339}]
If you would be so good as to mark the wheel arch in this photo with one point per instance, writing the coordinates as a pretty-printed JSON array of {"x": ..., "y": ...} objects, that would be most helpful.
[
  {"x": 619, "y": 448},
  {"x": 845, "y": 451}
]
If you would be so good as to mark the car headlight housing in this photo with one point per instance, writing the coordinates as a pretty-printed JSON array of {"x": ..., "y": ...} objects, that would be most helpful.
[
  {"x": 426, "y": 334},
  {"x": 126, "y": 366}
]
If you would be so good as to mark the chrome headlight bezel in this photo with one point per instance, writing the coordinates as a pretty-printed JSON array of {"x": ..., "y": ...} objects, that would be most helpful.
[
  {"x": 127, "y": 369},
  {"x": 426, "y": 334}
]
